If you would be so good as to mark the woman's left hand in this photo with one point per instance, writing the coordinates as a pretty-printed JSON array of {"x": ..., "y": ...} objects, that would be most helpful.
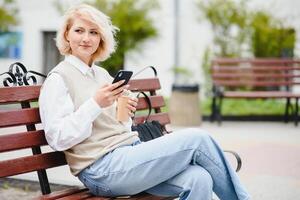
[{"x": 132, "y": 104}]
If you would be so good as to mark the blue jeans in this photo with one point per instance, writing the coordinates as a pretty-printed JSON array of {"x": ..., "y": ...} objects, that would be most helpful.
[{"x": 187, "y": 163}]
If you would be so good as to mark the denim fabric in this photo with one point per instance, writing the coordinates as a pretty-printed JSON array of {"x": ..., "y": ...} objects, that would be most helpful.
[{"x": 187, "y": 163}]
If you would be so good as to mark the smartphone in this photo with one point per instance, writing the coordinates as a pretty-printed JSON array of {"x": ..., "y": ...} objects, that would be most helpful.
[{"x": 122, "y": 75}]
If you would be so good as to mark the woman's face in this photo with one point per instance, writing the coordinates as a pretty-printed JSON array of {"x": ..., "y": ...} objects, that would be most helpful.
[{"x": 84, "y": 39}]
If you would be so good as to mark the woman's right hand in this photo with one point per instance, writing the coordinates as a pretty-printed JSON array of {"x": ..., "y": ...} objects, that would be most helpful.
[{"x": 107, "y": 94}]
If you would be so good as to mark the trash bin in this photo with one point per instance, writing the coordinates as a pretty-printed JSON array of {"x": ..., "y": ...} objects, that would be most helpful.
[{"x": 184, "y": 105}]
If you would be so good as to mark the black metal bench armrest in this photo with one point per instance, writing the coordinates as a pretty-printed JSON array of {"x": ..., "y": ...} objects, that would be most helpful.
[{"x": 237, "y": 157}]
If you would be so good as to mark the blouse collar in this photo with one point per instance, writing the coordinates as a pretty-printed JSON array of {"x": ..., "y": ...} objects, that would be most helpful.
[{"x": 80, "y": 65}]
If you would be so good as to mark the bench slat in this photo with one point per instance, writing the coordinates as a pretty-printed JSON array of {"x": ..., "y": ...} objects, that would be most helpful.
[
  {"x": 62, "y": 193},
  {"x": 253, "y": 83},
  {"x": 163, "y": 118},
  {"x": 144, "y": 84},
  {"x": 22, "y": 140},
  {"x": 18, "y": 94},
  {"x": 256, "y": 61},
  {"x": 254, "y": 68},
  {"x": 19, "y": 117},
  {"x": 252, "y": 75},
  {"x": 260, "y": 94},
  {"x": 156, "y": 102},
  {"x": 31, "y": 163},
  {"x": 141, "y": 196},
  {"x": 145, "y": 196},
  {"x": 80, "y": 195}
]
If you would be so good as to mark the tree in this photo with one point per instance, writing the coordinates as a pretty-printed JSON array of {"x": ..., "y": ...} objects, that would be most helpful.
[
  {"x": 8, "y": 13},
  {"x": 236, "y": 27},
  {"x": 270, "y": 38},
  {"x": 229, "y": 20},
  {"x": 136, "y": 26}
]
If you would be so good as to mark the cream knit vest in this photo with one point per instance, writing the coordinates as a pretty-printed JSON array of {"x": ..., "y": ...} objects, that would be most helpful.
[{"x": 107, "y": 132}]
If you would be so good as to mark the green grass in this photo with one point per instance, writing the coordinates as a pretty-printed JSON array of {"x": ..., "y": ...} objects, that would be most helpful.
[
  {"x": 242, "y": 107},
  {"x": 247, "y": 107}
]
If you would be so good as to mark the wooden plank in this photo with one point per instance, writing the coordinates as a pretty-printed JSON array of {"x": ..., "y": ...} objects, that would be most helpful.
[
  {"x": 156, "y": 102},
  {"x": 260, "y": 94},
  {"x": 103, "y": 198},
  {"x": 145, "y": 196},
  {"x": 265, "y": 83},
  {"x": 163, "y": 118},
  {"x": 254, "y": 75},
  {"x": 144, "y": 84},
  {"x": 80, "y": 195},
  {"x": 226, "y": 61},
  {"x": 31, "y": 163},
  {"x": 254, "y": 68},
  {"x": 19, "y": 117},
  {"x": 18, "y": 94},
  {"x": 22, "y": 140},
  {"x": 62, "y": 193}
]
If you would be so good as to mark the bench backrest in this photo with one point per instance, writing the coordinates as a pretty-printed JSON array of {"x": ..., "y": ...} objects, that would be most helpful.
[
  {"x": 32, "y": 138},
  {"x": 261, "y": 74}
]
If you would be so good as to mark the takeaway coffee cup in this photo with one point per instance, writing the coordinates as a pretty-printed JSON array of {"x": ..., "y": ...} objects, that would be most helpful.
[{"x": 122, "y": 109}]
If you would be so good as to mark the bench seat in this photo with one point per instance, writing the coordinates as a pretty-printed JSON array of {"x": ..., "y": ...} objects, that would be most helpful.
[
  {"x": 28, "y": 116},
  {"x": 259, "y": 94},
  {"x": 83, "y": 193}
]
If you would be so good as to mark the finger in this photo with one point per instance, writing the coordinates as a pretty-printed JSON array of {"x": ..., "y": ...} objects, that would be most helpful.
[
  {"x": 131, "y": 108},
  {"x": 116, "y": 85},
  {"x": 116, "y": 96},
  {"x": 134, "y": 99},
  {"x": 131, "y": 114},
  {"x": 132, "y": 102},
  {"x": 119, "y": 90}
]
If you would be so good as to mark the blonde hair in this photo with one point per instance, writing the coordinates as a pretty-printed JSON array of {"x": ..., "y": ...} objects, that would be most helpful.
[{"x": 106, "y": 30}]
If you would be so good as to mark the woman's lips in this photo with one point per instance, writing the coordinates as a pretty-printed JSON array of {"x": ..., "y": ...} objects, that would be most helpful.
[{"x": 85, "y": 46}]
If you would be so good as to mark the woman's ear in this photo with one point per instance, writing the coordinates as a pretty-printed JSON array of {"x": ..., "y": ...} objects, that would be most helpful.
[{"x": 66, "y": 35}]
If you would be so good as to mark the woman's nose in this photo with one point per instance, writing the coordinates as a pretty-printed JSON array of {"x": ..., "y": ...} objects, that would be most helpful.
[{"x": 86, "y": 37}]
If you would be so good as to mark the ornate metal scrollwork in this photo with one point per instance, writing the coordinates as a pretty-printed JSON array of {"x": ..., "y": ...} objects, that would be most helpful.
[{"x": 18, "y": 76}]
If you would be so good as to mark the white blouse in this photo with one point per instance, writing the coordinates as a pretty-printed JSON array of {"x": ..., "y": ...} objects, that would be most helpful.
[{"x": 64, "y": 127}]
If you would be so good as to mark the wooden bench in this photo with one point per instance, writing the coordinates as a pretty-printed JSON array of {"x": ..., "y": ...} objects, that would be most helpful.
[
  {"x": 33, "y": 138},
  {"x": 28, "y": 115},
  {"x": 255, "y": 79}
]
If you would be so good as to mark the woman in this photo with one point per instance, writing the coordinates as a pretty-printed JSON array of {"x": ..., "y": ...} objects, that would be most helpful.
[{"x": 78, "y": 109}]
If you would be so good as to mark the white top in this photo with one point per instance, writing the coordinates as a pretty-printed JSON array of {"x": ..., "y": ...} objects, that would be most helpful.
[{"x": 64, "y": 127}]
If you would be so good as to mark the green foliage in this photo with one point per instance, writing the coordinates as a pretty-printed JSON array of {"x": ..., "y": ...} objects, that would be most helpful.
[
  {"x": 8, "y": 13},
  {"x": 238, "y": 31},
  {"x": 229, "y": 23},
  {"x": 206, "y": 63},
  {"x": 183, "y": 75},
  {"x": 270, "y": 38},
  {"x": 135, "y": 24}
]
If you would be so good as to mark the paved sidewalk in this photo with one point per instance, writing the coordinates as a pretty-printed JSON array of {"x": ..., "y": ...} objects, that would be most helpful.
[
  {"x": 270, "y": 152},
  {"x": 271, "y": 156}
]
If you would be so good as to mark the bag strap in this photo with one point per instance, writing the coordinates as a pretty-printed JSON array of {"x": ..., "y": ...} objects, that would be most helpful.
[
  {"x": 148, "y": 102},
  {"x": 153, "y": 68},
  {"x": 143, "y": 93}
]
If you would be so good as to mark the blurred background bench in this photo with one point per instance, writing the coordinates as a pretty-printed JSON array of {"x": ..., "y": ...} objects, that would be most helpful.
[{"x": 255, "y": 79}]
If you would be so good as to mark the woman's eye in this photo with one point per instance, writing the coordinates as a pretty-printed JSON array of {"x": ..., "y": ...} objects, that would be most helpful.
[
  {"x": 94, "y": 32},
  {"x": 78, "y": 31}
]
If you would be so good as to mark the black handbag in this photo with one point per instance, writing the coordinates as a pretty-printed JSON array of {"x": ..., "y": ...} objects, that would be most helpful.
[{"x": 149, "y": 129}]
